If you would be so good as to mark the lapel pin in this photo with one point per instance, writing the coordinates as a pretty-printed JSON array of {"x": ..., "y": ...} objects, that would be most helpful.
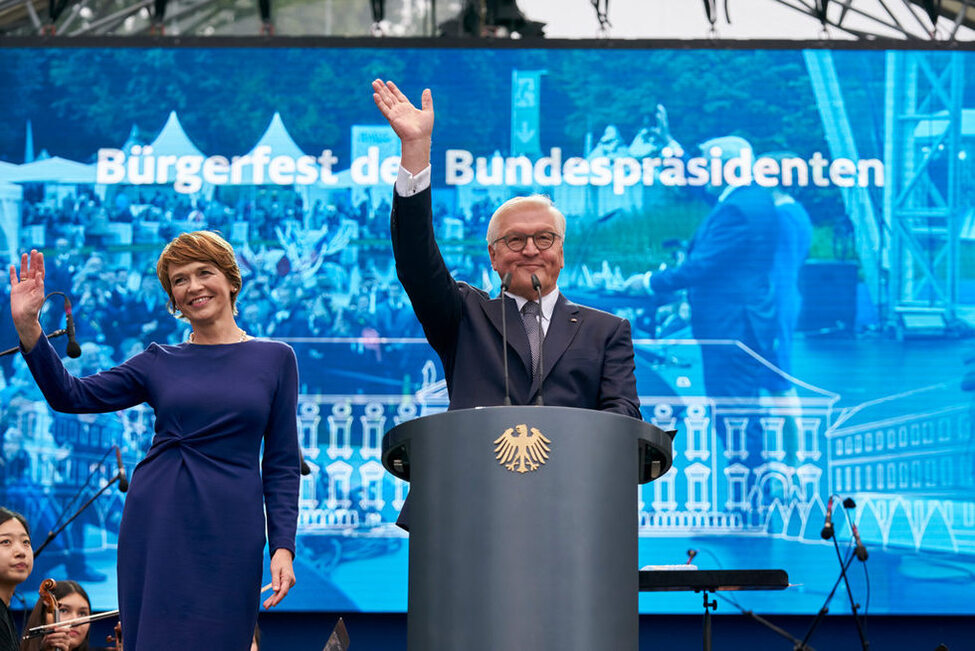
[{"x": 573, "y": 320}]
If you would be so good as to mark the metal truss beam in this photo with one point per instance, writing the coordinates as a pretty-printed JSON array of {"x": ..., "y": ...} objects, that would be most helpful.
[
  {"x": 880, "y": 20},
  {"x": 921, "y": 197},
  {"x": 860, "y": 19}
]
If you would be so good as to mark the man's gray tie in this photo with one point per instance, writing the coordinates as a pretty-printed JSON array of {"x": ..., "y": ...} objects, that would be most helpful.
[{"x": 529, "y": 314}]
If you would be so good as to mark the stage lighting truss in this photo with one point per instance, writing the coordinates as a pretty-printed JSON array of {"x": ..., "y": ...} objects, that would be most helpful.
[
  {"x": 921, "y": 20},
  {"x": 926, "y": 20}
]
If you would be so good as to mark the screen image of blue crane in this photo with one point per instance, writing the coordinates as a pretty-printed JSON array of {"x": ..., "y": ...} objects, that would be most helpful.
[{"x": 864, "y": 392}]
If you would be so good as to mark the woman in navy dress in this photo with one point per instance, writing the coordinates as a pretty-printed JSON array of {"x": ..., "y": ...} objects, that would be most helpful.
[{"x": 191, "y": 542}]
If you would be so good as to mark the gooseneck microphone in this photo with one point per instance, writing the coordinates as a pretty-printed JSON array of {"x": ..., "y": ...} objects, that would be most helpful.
[
  {"x": 827, "y": 531},
  {"x": 73, "y": 349},
  {"x": 123, "y": 480},
  {"x": 860, "y": 550},
  {"x": 537, "y": 286},
  {"x": 505, "y": 283}
]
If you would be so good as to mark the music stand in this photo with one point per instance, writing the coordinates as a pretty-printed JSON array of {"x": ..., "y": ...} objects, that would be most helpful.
[{"x": 706, "y": 581}]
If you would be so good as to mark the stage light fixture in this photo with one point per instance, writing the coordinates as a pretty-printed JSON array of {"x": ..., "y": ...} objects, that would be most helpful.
[
  {"x": 267, "y": 27},
  {"x": 158, "y": 16},
  {"x": 491, "y": 18},
  {"x": 378, "y": 10},
  {"x": 821, "y": 7},
  {"x": 711, "y": 11},
  {"x": 602, "y": 14},
  {"x": 54, "y": 10}
]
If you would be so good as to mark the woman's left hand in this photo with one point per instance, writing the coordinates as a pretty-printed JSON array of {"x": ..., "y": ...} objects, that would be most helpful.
[{"x": 282, "y": 576}]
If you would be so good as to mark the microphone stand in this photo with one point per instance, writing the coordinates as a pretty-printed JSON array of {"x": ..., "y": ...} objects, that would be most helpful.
[
  {"x": 854, "y": 607},
  {"x": 54, "y": 534},
  {"x": 797, "y": 644},
  {"x": 16, "y": 349},
  {"x": 73, "y": 350},
  {"x": 505, "y": 282}
]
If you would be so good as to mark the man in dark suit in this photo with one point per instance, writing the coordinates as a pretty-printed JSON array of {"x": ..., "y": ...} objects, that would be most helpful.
[
  {"x": 587, "y": 355},
  {"x": 727, "y": 275}
]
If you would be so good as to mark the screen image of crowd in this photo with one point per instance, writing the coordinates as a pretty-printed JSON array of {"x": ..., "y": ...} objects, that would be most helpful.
[
  {"x": 751, "y": 477},
  {"x": 321, "y": 277}
]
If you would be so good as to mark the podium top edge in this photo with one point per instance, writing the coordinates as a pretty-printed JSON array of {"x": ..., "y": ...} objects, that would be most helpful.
[{"x": 656, "y": 443}]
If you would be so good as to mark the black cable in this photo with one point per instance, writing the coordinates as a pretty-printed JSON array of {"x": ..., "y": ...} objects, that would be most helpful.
[
  {"x": 745, "y": 611},
  {"x": 866, "y": 578}
]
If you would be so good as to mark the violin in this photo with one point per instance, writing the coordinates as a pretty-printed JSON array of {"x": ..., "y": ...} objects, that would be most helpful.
[
  {"x": 115, "y": 640},
  {"x": 45, "y": 592}
]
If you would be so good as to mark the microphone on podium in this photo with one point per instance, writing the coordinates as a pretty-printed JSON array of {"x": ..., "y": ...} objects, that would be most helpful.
[
  {"x": 537, "y": 286},
  {"x": 860, "y": 550},
  {"x": 505, "y": 283}
]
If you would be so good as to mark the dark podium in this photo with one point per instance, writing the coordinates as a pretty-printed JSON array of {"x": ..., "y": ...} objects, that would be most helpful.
[{"x": 523, "y": 526}]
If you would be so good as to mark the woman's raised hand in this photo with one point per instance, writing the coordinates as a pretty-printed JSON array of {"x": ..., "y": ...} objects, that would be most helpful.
[{"x": 27, "y": 297}]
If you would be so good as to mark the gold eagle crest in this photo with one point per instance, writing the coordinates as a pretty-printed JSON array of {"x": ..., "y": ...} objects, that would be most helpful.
[{"x": 519, "y": 451}]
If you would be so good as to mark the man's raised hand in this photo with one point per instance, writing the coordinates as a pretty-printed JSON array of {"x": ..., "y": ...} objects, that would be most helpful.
[
  {"x": 413, "y": 126},
  {"x": 409, "y": 123}
]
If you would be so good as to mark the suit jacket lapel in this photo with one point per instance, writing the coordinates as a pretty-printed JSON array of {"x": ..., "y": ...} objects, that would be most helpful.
[
  {"x": 517, "y": 338},
  {"x": 562, "y": 329}
]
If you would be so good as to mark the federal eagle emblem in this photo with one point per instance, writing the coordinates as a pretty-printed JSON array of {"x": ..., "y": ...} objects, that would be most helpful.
[{"x": 519, "y": 451}]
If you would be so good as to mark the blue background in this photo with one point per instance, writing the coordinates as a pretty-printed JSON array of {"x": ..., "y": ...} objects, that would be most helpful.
[{"x": 866, "y": 415}]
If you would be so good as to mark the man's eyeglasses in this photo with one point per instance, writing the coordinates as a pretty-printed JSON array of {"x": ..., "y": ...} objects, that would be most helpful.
[{"x": 518, "y": 241}]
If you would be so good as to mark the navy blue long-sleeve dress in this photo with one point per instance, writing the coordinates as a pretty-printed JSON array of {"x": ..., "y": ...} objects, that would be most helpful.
[{"x": 190, "y": 549}]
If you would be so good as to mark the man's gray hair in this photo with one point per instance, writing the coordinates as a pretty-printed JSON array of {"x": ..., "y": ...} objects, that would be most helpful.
[
  {"x": 730, "y": 146},
  {"x": 531, "y": 201}
]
